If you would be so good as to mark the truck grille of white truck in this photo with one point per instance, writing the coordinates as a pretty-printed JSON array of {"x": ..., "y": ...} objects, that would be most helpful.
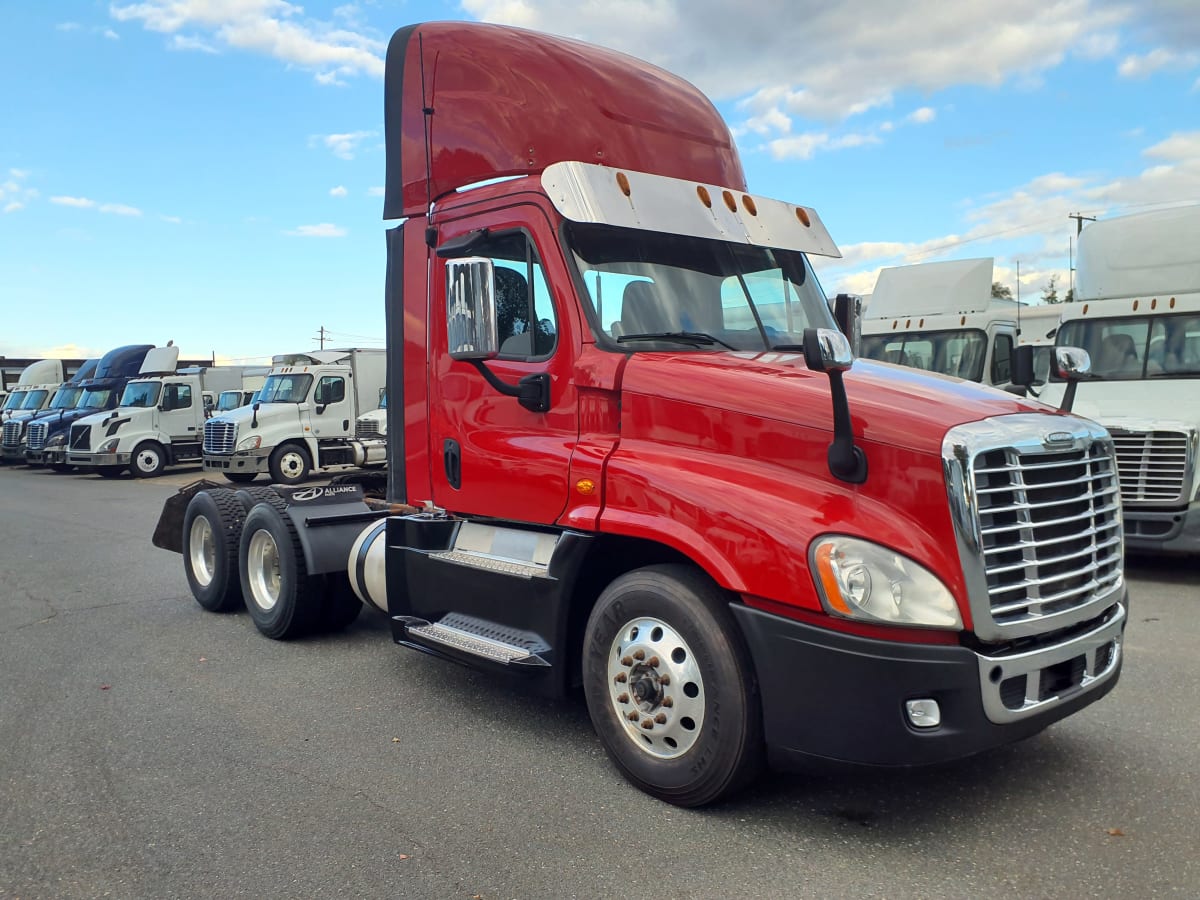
[
  {"x": 219, "y": 437},
  {"x": 36, "y": 438},
  {"x": 1153, "y": 465},
  {"x": 12, "y": 433},
  {"x": 1037, "y": 513},
  {"x": 366, "y": 429},
  {"x": 81, "y": 437}
]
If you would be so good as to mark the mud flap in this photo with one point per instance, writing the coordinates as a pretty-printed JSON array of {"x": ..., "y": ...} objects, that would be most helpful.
[{"x": 168, "y": 533}]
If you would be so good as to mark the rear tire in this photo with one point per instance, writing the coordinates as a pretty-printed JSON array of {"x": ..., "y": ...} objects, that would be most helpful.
[
  {"x": 212, "y": 531},
  {"x": 240, "y": 477},
  {"x": 281, "y": 597},
  {"x": 670, "y": 686}
]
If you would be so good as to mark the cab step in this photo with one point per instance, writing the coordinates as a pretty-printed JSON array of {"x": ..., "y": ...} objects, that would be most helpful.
[{"x": 478, "y": 638}]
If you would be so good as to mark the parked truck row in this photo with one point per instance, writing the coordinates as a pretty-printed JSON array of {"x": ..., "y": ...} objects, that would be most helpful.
[
  {"x": 136, "y": 410},
  {"x": 630, "y": 453}
]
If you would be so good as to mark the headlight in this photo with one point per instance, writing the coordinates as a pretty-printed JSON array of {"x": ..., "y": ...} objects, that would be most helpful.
[
  {"x": 109, "y": 446},
  {"x": 864, "y": 581},
  {"x": 56, "y": 441},
  {"x": 250, "y": 443}
]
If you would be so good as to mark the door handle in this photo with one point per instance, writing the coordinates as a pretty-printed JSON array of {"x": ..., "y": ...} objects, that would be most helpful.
[{"x": 452, "y": 460}]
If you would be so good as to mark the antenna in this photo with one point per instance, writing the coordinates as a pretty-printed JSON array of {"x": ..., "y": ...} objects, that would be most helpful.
[{"x": 427, "y": 114}]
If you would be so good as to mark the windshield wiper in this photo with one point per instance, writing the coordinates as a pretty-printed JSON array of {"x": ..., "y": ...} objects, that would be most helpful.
[{"x": 698, "y": 338}]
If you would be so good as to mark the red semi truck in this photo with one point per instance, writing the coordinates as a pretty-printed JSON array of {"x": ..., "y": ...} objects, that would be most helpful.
[{"x": 630, "y": 453}]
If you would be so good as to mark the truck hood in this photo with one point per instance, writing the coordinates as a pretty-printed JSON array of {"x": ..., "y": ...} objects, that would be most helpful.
[
  {"x": 267, "y": 412},
  {"x": 889, "y": 404}
]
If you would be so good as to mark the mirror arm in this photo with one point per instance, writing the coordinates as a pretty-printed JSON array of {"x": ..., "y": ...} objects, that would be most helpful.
[
  {"x": 1068, "y": 400},
  {"x": 532, "y": 391},
  {"x": 847, "y": 462}
]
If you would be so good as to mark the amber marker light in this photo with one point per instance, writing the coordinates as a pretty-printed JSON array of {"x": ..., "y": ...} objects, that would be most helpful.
[
  {"x": 802, "y": 215},
  {"x": 748, "y": 202},
  {"x": 623, "y": 183},
  {"x": 585, "y": 486},
  {"x": 730, "y": 203},
  {"x": 702, "y": 193},
  {"x": 828, "y": 579}
]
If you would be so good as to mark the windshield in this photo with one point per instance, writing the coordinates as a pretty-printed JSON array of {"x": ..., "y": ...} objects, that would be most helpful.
[
  {"x": 959, "y": 352},
  {"x": 15, "y": 399},
  {"x": 66, "y": 398},
  {"x": 141, "y": 393},
  {"x": 286, "y": 388},
  {"x": 229, "y": 400},
  {"x": 1133, "y": 348},
  {"x": 645, "y": 286},
  {"x": 35, "y": 399},
  {"x": 95, "y": 399}
]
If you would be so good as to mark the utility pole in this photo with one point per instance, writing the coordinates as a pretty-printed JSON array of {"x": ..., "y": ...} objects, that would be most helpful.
[
  {"x": 321, "y": 336},
  {"x": 1079, "y": 220}
]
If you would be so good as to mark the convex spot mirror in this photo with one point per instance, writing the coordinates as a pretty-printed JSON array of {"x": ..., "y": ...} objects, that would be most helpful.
[
  {"x": 1072, "y": 363},
  {"x": 471, "y": 309},
  {"x": 827, "y": 350}
]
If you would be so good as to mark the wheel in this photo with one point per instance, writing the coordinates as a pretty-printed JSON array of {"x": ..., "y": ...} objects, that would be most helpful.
[
  {"x": 341, "y": 606},
  {"x": 212, "y": 531},
  {"x": 260, "y": 494},
  {"x": 670, "y": 686},
  {"x": 60, "y": 468},
  {"x": 290, "y": 464},
  {"x": 148, "y": 460},
  {"x": 240, "y": 477},
  {"x": 280, "y": 595},
  {"x": 102, "y": 471}
]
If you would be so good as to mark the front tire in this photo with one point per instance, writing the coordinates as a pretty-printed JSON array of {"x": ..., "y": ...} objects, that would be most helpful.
[
  {"x": 148, "y": 460},
  {"x": 290, "y": 464},
  {"x": 240, "y": 477},
  {"x": 104, "y": 471},
  {"x": 212, "y": 532},
  {"x": 670, "y": 686},
  {"x": 281, "y": 597}
]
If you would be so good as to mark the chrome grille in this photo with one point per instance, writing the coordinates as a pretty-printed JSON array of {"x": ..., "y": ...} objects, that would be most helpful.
[
  {"x": 81, "y": 437},
  {"x": 1152, "y": 465},
  {"x": 36, "y": 439},
  {"x": 219, "y": 437},
  {"x": 1050, "y": 529},
  {"x": 12, "y": 432},
  {"x": 366, "y": 429}
]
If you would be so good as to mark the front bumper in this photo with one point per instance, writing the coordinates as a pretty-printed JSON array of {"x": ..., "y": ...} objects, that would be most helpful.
[
  {"x": 90, "y": 460},
  {"x": 12, "y": 454},
  {"x": 247, "y": 462},
  {"x": 838, "y": 697},
  {"x": 49, "y": 456},
  {"x": 1175, "y": 533}
]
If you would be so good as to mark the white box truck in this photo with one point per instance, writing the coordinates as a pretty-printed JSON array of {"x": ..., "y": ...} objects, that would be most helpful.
[{"x": 303, "y": 421}]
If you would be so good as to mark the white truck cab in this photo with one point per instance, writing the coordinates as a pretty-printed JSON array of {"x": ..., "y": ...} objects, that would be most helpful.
[
  {"x": 1138, "y": 317},
  {"x": 159, "y": 420},
  {"x": 303, "y": 421},
  {"x": 33, "y": 392}
]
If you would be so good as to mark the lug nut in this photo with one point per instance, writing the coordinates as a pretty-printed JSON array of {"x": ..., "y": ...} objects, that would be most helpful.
[
  {"x": 621, "y": 678},
  {"x": 661, "y": 718},
  {"x": 627, "y": 660},
  {"x": 633, "y": 715},
  {"x": 653, "y": 662},
  {"x": 624, "y": 698},
  {"x": 639, "y": 654},
  {"x": 647, "y": 724},
  {"x": 664, "y": 679},
  {"x": 668, "y": 701}
]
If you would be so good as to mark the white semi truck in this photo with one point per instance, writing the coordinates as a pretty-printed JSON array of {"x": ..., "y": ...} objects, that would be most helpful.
[
  {"x": 1137, "y": 287},
  {"x": 33, "y": 392},
  {"x": 941, "y": 317},
  {"x": 304, "y": 420},
  {"x": 159, "y": 420}
]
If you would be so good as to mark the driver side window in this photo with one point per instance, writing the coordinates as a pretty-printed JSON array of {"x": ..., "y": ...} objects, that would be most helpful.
[{"x": 526, "y": 322}]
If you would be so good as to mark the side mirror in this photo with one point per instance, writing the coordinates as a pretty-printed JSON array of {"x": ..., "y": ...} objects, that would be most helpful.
[
  {"x": 828, "y": 351},
  {"x": 471, "y": 309},
  {"x": 847, "y": 312},
  {"x": 1022, "y": 366},
  {"x": 1072, "y": 364}
]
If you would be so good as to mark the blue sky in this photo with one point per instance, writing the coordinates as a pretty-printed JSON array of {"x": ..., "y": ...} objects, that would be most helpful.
[{"x": 210, "y": 171}]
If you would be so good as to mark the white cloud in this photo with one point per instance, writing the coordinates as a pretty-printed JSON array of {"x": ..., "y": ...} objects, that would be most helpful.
[
  {"x": 19, "y": 173},
  {"x": 273, "y": 28},
  {"x": 78, "y": 202},
  {"x": 191, "y": 42},
  {"x": 377, "y": 191},
  {"x": 339, "y": 191},
  {"x": 13, "y": 206},
  {"x": 1179, "y": 146},
  {"x": 324, "y": 230},
  {"x": 922, "y": 116},
  {"x": 119, "y": 209},
  {"x": 111, "y": 35},
  {"x": 172, "y": 220},
  {"x": 802, "y": 146},
  {"x": 1135, "y": 66},
  {"x": 343, "y": 146},
  {"x": 67, "y": 26}
]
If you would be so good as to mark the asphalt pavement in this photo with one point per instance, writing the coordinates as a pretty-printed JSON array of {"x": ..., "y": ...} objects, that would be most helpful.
[{"x": 149, "y": 749}]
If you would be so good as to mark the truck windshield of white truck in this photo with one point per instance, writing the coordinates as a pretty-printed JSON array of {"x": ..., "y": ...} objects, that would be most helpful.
[
  {"x": 958, "y": 352},
  {"x": 1132, "y": 348},
  {"x": 656, "y": 291},
  {"x": 140, "y": 393},
  {"x": 286, "y": 389}
]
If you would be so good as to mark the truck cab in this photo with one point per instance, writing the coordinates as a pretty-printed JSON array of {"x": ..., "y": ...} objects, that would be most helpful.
[
  {"x": 1137, "y": 313},
  {"x": 36, "y": 387}
]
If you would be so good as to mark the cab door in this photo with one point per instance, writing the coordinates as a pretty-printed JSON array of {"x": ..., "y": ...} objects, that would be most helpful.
[
  {"x": 180, "y": 417},
  {"x": 332, "y": 408},
  {"x": 490, "y": 455}
]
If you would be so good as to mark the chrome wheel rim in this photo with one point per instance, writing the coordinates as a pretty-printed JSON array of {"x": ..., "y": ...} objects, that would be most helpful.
[
  {"x": 655, "y": 687},
  {"x": 291, "y": 464},
  {"x": 202, "y": 551},
  {"x": 146, "y": 460},
  {"x": 262, "y": 567}
]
